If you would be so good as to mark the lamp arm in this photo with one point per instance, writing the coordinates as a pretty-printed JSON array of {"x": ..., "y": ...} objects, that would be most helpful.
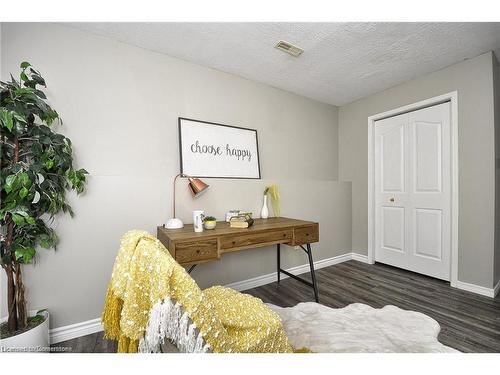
[{"x": 175, "y": 179}]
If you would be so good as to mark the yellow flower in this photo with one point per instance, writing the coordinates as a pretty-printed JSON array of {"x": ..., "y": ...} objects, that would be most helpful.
[{"x": 274, "y": 193}]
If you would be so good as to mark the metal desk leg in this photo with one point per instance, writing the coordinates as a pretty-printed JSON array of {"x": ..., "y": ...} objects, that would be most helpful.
[
  {"x": 191, "y": 268},
  {"x": 313, "y": 276},
  {"x": 278, "y": 262}
]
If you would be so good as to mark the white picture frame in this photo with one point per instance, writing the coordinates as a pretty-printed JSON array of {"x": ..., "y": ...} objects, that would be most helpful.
[{"x": 212, "y": 150}]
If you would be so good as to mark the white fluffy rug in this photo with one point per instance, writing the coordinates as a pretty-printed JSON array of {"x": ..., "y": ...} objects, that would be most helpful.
[{"x": 359, "y": 328}]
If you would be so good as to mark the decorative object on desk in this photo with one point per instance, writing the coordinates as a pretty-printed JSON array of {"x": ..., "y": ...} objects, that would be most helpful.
[
  {"x": 196, "y": 187},
  {"x": 274, "y": 193},
  {"x": 208, "y": 149},
  {"x": 264, "y": 212},
  {"x": 198, "y": 216},
  {"x": 209, "y": 222},
  {"x": 37, "y": 170},
  {"x": 241, "y": 221},
  {"x": 231, "y": 213}
]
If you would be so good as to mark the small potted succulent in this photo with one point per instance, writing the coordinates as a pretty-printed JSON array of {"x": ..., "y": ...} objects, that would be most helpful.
[{"x": 209, "y": 222}]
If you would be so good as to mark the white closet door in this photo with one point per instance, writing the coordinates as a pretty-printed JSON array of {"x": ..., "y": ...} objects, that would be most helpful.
[{"x": 413, "y": 191}]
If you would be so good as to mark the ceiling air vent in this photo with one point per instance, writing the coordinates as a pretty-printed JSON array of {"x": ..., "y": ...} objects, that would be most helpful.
[{"x": 289, "y": 48}]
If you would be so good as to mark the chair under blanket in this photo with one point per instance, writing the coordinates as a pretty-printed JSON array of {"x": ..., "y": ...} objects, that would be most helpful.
[
  {"x": 152, "y": 300},
  {"x": 153, "y": 305}
]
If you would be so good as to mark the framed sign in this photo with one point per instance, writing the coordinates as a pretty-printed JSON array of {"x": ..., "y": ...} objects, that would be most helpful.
[{"x": 208, "y": 149}]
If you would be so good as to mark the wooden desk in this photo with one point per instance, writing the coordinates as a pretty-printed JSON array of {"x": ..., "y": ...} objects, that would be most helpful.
[{"x": 190, "y": 248}]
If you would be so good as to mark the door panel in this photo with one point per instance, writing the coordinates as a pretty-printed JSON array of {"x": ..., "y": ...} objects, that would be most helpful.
[
  {"x": 428, "y": 233},
  {"x": 393, "y": 162},
  {"x": 413, "y": 191},
  {"x": 393, "y": 228},
  {"x": 428, "y": 163}
]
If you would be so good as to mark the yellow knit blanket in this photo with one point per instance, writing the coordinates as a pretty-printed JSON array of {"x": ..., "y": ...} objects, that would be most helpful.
[{"x": 150, "y": 297}]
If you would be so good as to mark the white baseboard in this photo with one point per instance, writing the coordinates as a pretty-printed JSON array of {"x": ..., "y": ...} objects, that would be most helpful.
[
  {"x": 496, "y": 289},
  {"x": 272, "y": 277},
  {"x": 488, "y": 292},
  {"x": 75, "y": 330},
  {"x": 360, "y": 258}
]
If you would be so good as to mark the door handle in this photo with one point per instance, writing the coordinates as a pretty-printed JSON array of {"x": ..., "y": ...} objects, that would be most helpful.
[{"x": 392, "y": 199}]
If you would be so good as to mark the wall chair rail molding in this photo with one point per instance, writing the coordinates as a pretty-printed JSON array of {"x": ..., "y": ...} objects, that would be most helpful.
[{"x": 452, "y": 98}]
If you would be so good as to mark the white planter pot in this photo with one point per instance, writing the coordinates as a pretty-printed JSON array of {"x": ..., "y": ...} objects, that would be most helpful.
[{"x": 34, "y": 340}]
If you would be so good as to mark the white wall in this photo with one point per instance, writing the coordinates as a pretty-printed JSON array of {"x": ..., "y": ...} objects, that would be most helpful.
[
  {"x": 120, "y": 106},
  {"x": 473, "y": 79}
]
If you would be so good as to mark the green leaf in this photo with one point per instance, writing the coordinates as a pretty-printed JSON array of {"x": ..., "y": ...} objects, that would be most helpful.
[
  {"x": 24, "y": 254},
  {"x": 38, "y": 79},
  {"x": 25, "y": 65},
  {"x": 23, "y": 192},
  {"x": 19, "y": 118},
  {"x": 48, "y": 241},
  {"x": 6, "y": 118},
  {"x": 30, "y": 220},
  {"x": 24, "y": 77},
  {"x": 40, "y": 94},
  {"x": 36, "y": 318},
  {"x": 49, "y": 163},
  {"x": 18, "y": 219},
  {"x": 8, "y": 207},
  {"x": 45, "y": 241},
  {"x": 9, "y": 182},
  {"x": 25, "y": 179}
]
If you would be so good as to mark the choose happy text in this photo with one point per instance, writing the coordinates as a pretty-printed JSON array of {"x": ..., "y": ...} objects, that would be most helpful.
[{"x": 240, "y": 154}]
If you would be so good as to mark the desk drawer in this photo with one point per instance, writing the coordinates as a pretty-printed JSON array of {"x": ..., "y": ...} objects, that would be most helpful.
[
  {"x": 189, "y": 252},
  {"x": 305, "y": 235},
  {"x": 250, "y": 239}
]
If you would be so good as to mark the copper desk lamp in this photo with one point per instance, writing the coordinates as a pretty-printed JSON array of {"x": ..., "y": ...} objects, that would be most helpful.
[{"x": 196, "y": 187}]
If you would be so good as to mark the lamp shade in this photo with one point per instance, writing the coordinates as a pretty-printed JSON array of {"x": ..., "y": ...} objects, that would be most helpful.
[{"x": 197, "y": 186}]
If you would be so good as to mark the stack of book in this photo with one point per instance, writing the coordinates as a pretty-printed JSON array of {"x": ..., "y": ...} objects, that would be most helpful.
[{"x": 243, "y": 220}]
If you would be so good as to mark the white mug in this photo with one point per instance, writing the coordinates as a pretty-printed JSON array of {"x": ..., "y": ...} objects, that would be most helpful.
[{"x": 198, "y": 216}]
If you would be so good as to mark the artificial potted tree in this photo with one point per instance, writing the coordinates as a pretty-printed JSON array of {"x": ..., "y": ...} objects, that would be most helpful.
[{"x": 36, "y": 171}]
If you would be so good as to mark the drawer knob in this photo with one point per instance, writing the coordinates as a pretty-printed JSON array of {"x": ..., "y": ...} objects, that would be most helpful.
[
  {"x": 234, "y": 242},
  {"x": 284, "y": 234},
  {"x": 307, "y": 234},
  {"x": 197, "y": 251}
]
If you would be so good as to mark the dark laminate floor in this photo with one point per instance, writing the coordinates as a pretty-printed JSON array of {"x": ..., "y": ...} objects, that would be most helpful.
[{"x": 469, "y": 322}]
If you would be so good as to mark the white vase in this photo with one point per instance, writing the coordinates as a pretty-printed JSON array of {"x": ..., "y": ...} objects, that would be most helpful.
[
  {"x": 34, "y": 340},
  {"x": 198, "y": 216},
  {"x": 264, "y": 213}
]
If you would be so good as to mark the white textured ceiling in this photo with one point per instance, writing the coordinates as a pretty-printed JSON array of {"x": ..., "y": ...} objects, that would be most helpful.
[{"x": 342, "y": 62}]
